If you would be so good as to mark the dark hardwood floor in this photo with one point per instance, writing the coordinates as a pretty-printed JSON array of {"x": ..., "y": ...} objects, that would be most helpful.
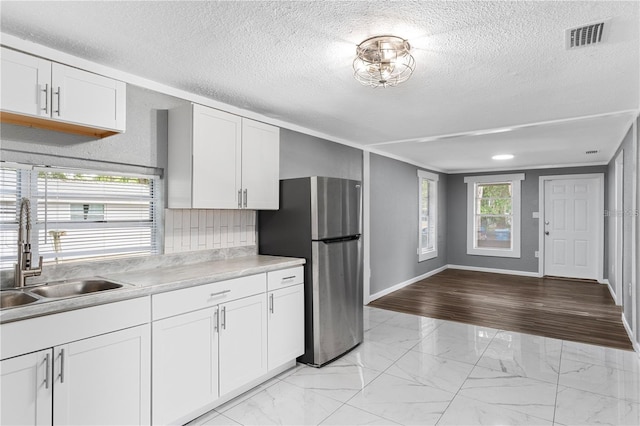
[{"x": 581, "y": 311}]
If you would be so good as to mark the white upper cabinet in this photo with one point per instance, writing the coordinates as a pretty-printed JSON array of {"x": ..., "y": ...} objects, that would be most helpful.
[
  {"x": 85, "y": 98},
  {"x": 26, "y": 84},
  {"x": 44, "y": 94},
  {"x": 260, "y": 165},
  {"x": 219, "y": 160},
  {"x": 217, "y": 144}
]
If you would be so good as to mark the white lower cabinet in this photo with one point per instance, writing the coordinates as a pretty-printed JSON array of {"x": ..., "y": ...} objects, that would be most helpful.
[
  {"x": 211, "y": 342},
  {"x": 99, "y": 380},
  {"x": 104, "y": 379},
  {"x": 243, "y": 342},
  {"x": 285, "y": 325},
  {"x": 185, "y": 364},
  {"x": 207, "y": 341},
  {"x": 26, "y": 389}
]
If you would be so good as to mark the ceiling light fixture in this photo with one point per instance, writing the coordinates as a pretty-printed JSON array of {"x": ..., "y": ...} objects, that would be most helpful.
[
  {"x": 383, "y": 61},
  {"x": 502, "y": 157}
]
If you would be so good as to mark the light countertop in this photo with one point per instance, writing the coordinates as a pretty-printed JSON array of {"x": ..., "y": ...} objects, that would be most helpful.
[{"x": 145, "y": 282}]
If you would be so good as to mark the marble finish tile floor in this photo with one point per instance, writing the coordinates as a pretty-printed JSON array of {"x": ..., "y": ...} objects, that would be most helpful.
[{"x": 412, "y": 370}]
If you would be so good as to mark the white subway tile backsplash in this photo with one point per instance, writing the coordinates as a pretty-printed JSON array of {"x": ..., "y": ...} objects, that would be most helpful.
[{"x": 199, "y": 229}]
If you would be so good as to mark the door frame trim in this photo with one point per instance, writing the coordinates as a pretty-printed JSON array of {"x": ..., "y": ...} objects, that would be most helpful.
[
  {"x": 618, "y": 227},
  {"x": 600, "y": 207}
]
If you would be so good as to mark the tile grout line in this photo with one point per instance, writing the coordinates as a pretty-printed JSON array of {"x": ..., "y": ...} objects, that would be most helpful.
[
  {"x": 385, "y": 370},
  {"x": 467, "y": 378},
  {"x": 555, "y": 403}
]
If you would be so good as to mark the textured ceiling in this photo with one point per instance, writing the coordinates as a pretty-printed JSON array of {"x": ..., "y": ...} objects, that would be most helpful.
[{"x": 480, "y": 66}]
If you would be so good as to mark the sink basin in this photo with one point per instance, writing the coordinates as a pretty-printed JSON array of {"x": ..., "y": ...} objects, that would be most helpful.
[
  {"x": 10, "y": 299},
  {"x": 74, "y": 288}
]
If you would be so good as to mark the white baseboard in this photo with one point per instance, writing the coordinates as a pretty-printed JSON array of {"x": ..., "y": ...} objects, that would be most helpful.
[
  {"x": 636, "y": 345},
  {"x": 405, "y": 283},
  {"x": 613, "y": 294},
  {"x": 494, "y": 270}
]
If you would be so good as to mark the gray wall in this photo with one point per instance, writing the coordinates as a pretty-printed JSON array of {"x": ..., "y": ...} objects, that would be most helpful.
[
  {"x": 394, "y": 223},
  {"x": 457, "y": 220},
  {"x": 303, "y": 155},
  {"x": 630, "y": 164}
]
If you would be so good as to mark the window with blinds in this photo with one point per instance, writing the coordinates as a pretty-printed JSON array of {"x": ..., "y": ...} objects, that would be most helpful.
[{"x": 80, "y": 214}]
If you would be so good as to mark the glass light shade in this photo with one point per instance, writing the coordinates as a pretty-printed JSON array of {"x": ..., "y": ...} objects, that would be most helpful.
[{"x": 383, "y": 61}]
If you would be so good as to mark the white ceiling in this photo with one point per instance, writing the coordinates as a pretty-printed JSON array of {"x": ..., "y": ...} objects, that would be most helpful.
[{"x": 481, "y": 67}]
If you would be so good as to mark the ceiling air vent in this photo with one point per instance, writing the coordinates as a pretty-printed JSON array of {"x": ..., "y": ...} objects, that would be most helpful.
[
  {"x": 587, "y": 35},
  {"x": 593, "y": 151}
]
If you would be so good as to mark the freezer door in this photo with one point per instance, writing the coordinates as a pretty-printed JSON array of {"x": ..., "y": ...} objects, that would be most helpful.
[
  {"x": 335, "y": 207},
  {"x": 337, "y": 298}
]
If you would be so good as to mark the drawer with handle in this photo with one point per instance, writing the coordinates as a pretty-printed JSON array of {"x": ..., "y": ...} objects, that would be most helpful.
[
  {"x": 203, "y": 296},
  {"x": 285, "y": 278}
]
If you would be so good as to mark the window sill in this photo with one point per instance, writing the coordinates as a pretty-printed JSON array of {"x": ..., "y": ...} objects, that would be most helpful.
[
  {"x": 494, "y": 253},
  {"x": 426, "y": 256}
]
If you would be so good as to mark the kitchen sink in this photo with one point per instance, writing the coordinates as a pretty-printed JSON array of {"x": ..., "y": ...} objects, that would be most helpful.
[
  {"x": 74, "y": 288},
  {"x": 10, "y": 299}
]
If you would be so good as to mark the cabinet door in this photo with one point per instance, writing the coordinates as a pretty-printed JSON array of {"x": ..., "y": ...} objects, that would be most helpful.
[
  {"x": 25, "y": 84},
  {"x": 286, "y": 325},
  {"x": 104, "y": 379},
  {"x": 260, "y": 165},
  {"x": 86, "y": 98},
  {"x": 185, "y": 365},
  {"x": 216, "y": 159},
  {"x": 26, "y": 389},
  {"x": 243, "y": 342}
]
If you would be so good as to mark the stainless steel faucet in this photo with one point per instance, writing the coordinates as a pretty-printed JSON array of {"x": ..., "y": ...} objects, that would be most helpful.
[{"x": 23, "y": 268}]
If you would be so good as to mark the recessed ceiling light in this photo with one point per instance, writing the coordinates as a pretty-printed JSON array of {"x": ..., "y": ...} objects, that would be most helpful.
[{"x": 502, "y": 157}]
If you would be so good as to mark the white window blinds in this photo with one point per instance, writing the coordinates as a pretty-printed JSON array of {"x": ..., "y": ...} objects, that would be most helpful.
[{"x": 80, "y": 214}]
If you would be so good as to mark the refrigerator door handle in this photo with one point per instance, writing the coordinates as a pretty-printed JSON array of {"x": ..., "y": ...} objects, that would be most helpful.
[{"x": 341, "y": 239}]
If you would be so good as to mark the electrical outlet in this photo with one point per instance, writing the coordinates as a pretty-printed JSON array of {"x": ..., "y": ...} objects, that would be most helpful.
[{"x": 536, "y": 253}]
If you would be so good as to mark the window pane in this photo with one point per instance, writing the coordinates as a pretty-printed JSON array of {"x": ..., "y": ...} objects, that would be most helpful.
[
  {"x": 9, "y": 187},
  {"x": 494, "y": 190},
  {"x": 79, "y": 215},
  {"x": 493, "y": 232},
  {"x": 86, "y": 215},
  {"x": 495, "y": 206},
  {"x": 427, "y": 216}
]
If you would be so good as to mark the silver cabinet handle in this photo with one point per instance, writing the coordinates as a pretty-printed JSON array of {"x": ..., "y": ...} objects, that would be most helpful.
[
  {"x": 216, "y": 321},
  {"x": 288, "y": 278},
  {"x": 245, "y": 198},
  {"x": 271, "y": 302},
  {"x": 219, "y": 293},
  {"x": 46, "y": 98},
  {"x": 224, "y": 318},
  {"x": 61, "y": 375},
  {"x": 47, "y": 362},
  {"x": 58, "y": 94},
  {"x": 239, "y": 198}
]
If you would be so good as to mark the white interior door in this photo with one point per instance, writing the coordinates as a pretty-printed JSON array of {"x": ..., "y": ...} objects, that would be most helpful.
[{"x": 572, "y": 224}]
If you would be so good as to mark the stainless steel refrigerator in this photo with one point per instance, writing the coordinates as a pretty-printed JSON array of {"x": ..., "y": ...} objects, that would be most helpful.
[{"x": 319, "y": 219}]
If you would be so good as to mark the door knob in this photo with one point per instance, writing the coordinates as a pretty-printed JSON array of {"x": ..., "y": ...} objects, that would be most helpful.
[{"x": 546, "y": 222}]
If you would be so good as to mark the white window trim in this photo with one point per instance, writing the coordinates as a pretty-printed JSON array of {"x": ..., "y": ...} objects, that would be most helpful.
[
  {"x": 431, "y": 253},
  {"x": 515, "y": 180}
]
